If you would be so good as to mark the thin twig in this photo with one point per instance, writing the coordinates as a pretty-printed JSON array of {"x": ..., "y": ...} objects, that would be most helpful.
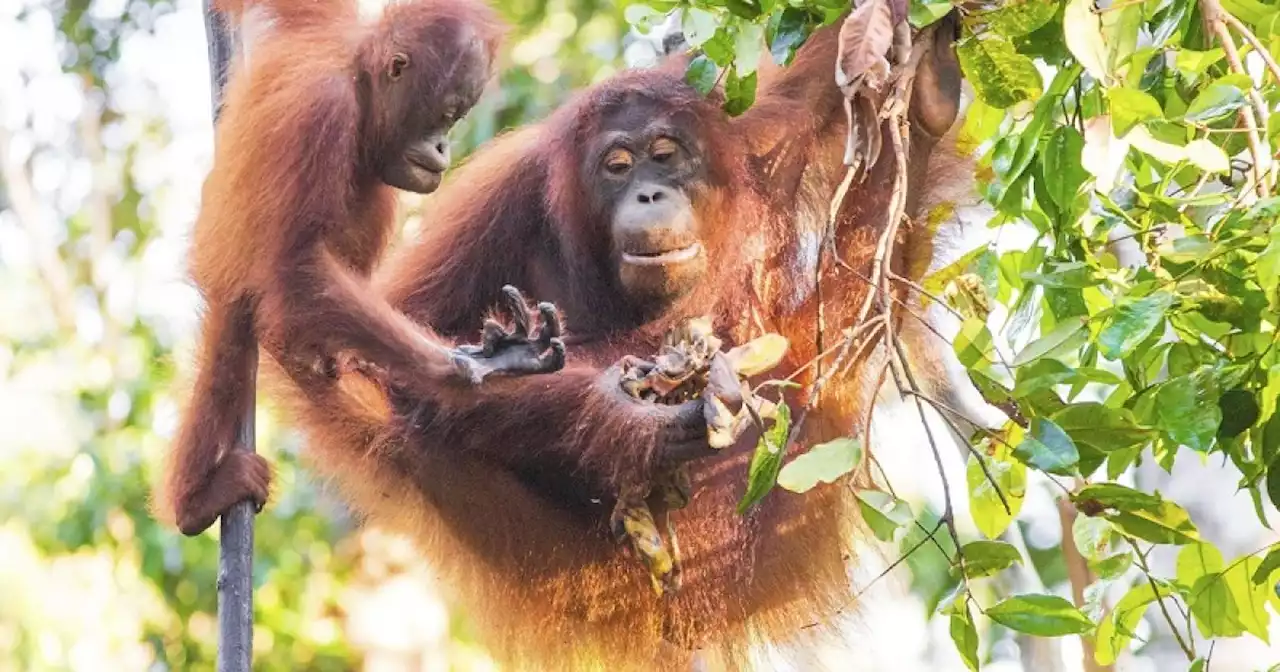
[
  {"x": 948, "y": 510},
  {"x": 1258, "y": 48},
  {"x": 1146, "y": 570},
  {"x": 1214, "y": 16},
  {"x": 866, "y": 424},
  {"x": 902, "y": 558},
  {"x": 977, "y": 455}
]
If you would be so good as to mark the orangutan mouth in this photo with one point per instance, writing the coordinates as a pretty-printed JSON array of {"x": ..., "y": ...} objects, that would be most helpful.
[{"x": 664, "y": 258}]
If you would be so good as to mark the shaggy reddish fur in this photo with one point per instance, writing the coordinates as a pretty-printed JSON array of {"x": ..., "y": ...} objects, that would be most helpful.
[
  {"x": 508, "y": 492},
  {"x": 294, "y": 217}
]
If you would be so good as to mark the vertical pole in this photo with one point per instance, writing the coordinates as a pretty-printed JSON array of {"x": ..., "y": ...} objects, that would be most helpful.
[{"x": 235, "y": 556}]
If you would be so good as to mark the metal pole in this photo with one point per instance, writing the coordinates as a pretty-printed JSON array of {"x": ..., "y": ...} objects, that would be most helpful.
[{"x": 235, "y": 556}]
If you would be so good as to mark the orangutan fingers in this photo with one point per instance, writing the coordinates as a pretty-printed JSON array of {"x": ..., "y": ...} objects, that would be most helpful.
[
  {"x": 519, "y": 311},
  {"x": 554, "y": 358},
  {"x": 551, "y": 326},
  {"x": 492, "y": 337}
]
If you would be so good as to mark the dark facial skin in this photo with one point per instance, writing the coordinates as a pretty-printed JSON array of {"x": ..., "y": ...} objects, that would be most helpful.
[
  {"x": 648, "y": 171},
  {"x": 419, "y": 102}
]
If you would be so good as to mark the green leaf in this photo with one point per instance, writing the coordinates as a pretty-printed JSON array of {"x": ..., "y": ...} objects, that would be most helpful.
[
  {"x": 1000, "y": 75},
  {"x": 1043, "y": 374},
  {"x": 1092, "y": 536},
  {"x": 935, "y": 283},
  {"x": 986, "y": 558},
  {"x": 1069, "y": 275},
  {"x": 787, "y": 33},
  {"x": 1239, "y": 410},
  {"x": 766, "y": 461},
  {"x": 1270, "y": 563},
  {"x": 1208, "y": 157},
  {"x": 719, "y": 49},
  {"x": 1214, "y": 102},
  {"x": 824, "y": 463},
  {"x": 1164, "y": 152},
  {"x": 1040, "y": 615},
  {"x": 1196, "y": 561},
  {"x": 1115, "y": 631},
  {"x": 1066, "y": 337},
  {"x": 1268, "y": 264},
  {"x": 1104, "y": 154},
  {"x": 747, "y": 45},
  {"x": 973, "y": 343},
  {"x": 1196, "y": 62},
  {"x": 964, "y": 634},
  {"x": 1063, "y": 172},
  {"x": 981, "y": 123},
  {"x": 1048, "y": 449},
  {"x": 1130, "y": 107},
  {"x": 1273, "y": 485},
  {"x": 1118, "y": 497},
  {"x": 1131, "y": 323},
  {"x": 1112, "y": 567},
  {"x": 1015, "y": 18},
  {"x": 988, "y": 512},
  {"x": 1250, "y": 599},
  {"x": 1101, "y": 427},
  {"x": 1120, "y": 27},
  {"x": 745, "y": 9},
  {"x": 922, "y": 13},
  {"x": 698, "y": 26},
  {"x": 1166, "y": 524},
  {"x": 884, "y": 513},
  {"x": 643, "y": 16},
  {"x": 701, "y": 74},
  {"x": 1186, "y": 412},
  {"x": 1215, "y": 610},
  {"x": 739, "y": 92},
  {"x": 1083, "y": 32}
]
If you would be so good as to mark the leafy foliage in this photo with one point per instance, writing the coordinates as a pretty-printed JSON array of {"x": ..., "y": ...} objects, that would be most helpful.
[{"x": 1135, "y": 152}]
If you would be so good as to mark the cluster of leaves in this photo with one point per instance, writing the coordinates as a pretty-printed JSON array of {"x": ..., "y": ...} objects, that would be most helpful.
[
  {"x": 730, "y": 36},
  {"x": 1129, "y": 355},
  {"x": 1141, "y": 319}
]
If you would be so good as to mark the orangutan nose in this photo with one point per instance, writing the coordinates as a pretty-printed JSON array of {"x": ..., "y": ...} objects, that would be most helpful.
[{"x": 652, "y": 194}]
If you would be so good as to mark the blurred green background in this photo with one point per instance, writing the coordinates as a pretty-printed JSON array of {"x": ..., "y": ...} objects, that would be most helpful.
[{"x": 104, "y": 138}]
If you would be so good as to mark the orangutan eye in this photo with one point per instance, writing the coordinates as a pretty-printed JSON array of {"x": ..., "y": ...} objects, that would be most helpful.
[
  {"x": 663, "y": 149},
  {"x": 450, "y": 114},
  {"x": 618, "y": 161},
  {"x": 398, "y": 64}
]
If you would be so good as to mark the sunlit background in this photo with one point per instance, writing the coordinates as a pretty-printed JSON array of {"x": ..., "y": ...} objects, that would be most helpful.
[{"x": 105, "y": 136}]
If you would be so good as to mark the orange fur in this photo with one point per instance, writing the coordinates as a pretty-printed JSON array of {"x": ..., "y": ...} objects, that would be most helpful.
[
  {"x": 508, "y": 492},
  {"x": 295, "y": 215},
  {"x": 295, "y": 14}
]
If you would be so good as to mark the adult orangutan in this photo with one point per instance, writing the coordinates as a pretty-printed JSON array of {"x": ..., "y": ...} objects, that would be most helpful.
[
  {"x": 633, "y": 207},
  {"x": 329, "y": 119}
]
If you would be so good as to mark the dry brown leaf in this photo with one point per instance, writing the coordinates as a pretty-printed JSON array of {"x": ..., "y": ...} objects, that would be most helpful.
[{"x": 865, "y": 40}]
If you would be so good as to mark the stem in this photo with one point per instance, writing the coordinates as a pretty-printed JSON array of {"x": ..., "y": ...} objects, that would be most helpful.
[
  {"x": 1262, "y": 51},
  {"x": 1214, "y": 17},
  {"x": 1146, "y": 571},
  {"x": 982, "y": 464}
]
